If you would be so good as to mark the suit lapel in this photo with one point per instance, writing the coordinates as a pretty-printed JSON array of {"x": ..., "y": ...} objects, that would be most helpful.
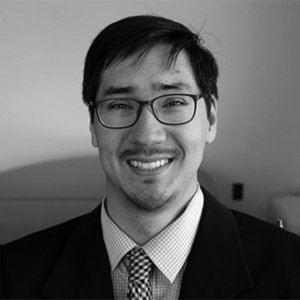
[
  {"x": 83, "y": 270},
  {"x": 216, "y": 267}
]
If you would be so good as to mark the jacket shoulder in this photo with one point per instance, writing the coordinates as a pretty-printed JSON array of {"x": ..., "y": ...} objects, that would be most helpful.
[
  {"x": 55, "y": 234},
  {"x": 29, "y": 263},
  {"x": 253, "y": 228},
  {"x": 33, "y": 256},
  {"x": 272, "y": 253}
]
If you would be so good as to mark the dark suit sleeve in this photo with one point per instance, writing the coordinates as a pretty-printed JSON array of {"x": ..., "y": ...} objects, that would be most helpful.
[{"x": 1, "y": 275}]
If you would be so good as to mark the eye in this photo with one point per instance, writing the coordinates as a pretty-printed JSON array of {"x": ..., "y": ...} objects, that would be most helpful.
[
  {"x": 174, "y": 101},
  {"x": 119, "y": 104}
]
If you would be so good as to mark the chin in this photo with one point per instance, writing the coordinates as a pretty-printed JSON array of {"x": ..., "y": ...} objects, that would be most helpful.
[{"x": 151, "y": 200}]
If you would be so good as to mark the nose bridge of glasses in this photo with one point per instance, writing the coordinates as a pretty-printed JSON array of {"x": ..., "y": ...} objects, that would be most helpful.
[{"x": 146, "y": 104}]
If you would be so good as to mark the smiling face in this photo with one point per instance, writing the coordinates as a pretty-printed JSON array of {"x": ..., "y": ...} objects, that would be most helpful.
[{"x": 151, "y": 166}]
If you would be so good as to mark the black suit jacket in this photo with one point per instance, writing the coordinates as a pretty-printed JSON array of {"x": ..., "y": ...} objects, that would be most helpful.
[{"x": 233, "y": 256}]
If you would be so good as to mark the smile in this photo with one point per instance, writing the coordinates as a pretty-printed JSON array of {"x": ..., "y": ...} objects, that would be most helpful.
[{"x": 149, "y": 165}]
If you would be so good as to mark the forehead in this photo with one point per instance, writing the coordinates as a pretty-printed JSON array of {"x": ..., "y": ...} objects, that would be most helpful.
[{"x": 149, "y": 71}]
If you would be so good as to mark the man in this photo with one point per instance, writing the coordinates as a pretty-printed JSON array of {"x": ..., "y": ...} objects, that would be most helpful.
[{"x": 151, "y": 88}]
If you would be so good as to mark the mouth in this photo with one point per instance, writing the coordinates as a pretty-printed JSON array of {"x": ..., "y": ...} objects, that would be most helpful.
[{"x": 149, "y": 166}]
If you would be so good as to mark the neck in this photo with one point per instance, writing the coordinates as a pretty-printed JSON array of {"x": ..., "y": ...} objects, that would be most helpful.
[{"x": 142, "y": 225}]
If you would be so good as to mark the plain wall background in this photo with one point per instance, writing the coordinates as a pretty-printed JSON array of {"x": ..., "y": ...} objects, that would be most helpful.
[{"x": 45, "y": 150}]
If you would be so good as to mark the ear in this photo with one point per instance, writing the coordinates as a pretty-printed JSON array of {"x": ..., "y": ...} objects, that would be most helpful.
[
  {"x": 212, "y": 121},
  {"x": 93, "y": 136}
]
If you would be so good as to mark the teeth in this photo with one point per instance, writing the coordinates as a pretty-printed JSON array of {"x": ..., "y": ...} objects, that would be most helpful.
[{"x": 148, "y": 166}]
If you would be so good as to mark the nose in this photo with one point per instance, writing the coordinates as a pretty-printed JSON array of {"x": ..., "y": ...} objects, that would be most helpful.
[{"x": 147, "y": 130}]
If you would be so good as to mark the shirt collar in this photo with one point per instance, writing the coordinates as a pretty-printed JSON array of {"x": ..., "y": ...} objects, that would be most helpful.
[
  {"x": 168, "y": 250},
  {"x": 117, "y": 242}
]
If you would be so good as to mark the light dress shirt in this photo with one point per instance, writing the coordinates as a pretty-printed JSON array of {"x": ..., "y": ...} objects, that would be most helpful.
[{"x": 168, "y": 250}]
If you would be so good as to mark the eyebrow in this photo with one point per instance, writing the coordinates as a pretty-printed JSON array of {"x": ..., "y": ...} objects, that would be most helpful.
[
  {"x": 178, "y": 85},
  {"x": 114, "y": 90},
  {"x": 159, "y": 86}
]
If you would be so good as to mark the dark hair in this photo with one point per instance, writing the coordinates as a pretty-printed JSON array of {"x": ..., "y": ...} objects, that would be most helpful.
[{"x": 139, "y": 34}]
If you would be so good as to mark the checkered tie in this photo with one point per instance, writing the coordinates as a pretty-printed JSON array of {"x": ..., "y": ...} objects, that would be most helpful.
[{"x": 139, "y": 287}]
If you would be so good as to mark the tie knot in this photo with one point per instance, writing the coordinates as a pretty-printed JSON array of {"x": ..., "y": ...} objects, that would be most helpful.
[{"x": 139, "y": 264}]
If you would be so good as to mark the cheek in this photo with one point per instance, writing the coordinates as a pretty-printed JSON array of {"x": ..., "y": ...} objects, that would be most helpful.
[
  {"x": 109, "y": 143},
  {"x": 195, "y": 138},
  {"x": 108, "y": 157}
]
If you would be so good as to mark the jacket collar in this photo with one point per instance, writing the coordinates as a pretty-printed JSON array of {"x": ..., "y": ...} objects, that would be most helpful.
[
  {"x": 83, "y": 270},
  {"x": 216, "y": 266}
]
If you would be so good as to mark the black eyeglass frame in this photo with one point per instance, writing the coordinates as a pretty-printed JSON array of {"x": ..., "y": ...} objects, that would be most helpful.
[{"x": 149, "y": 103}]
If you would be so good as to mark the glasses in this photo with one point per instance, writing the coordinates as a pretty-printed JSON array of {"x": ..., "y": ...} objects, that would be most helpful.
[{"x": 172, "y": 109}]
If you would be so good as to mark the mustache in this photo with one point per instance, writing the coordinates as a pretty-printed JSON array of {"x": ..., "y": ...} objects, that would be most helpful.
[{"x": 149, "y": 151}]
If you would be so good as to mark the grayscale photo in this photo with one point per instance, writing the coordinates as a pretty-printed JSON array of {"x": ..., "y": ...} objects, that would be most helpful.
[{"x": 150, "y": 150}]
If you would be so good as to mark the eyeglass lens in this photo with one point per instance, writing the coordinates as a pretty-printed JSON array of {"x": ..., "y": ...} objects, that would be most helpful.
[{"x": 168, "y": 109}]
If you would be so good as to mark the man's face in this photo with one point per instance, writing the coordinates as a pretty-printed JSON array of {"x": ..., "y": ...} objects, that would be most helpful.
[{"x": 150, "y": 165}]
